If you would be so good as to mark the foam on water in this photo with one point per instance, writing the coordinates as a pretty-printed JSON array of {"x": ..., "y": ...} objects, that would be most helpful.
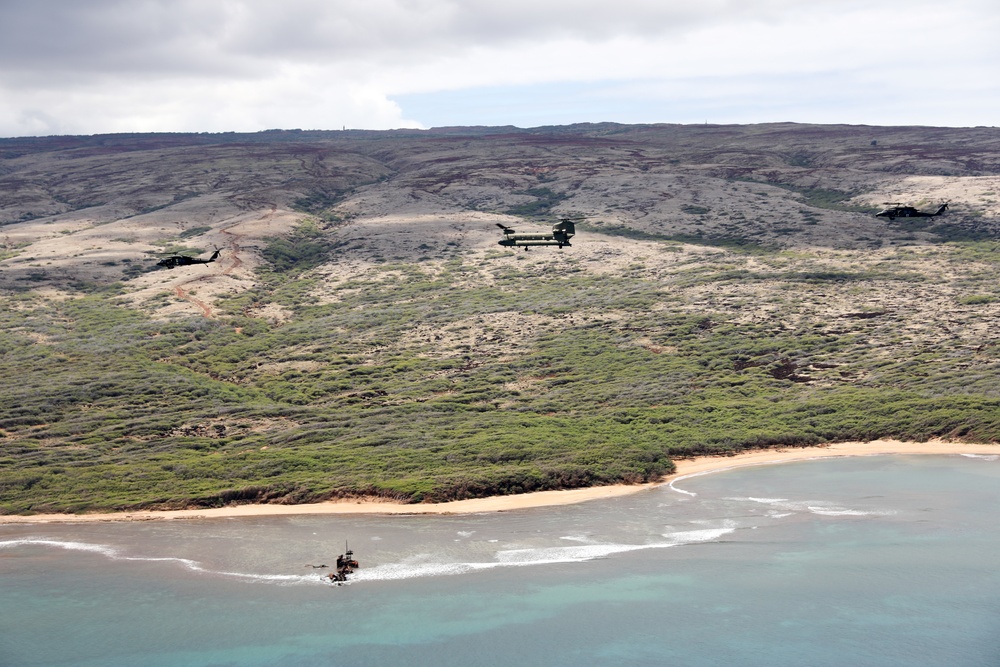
[
  {"x": 113, "y": 553},
  {"x": 837, "y": 511},
  {"x": 819, "y": 507},
  {"x": 695, "y": 536},
  {"x": 765, "y": 501},
  {"x": 420, "y": 566},
  {"x": 398, "y": 571},
  {"x": 533, "y": 556},
  {"x": 110, "y": 552}
]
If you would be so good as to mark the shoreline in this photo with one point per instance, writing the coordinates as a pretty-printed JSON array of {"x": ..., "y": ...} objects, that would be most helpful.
[{"x": 685, "y": 468}]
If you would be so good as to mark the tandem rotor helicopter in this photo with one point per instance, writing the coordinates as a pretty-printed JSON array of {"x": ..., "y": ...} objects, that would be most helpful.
[
  {"x": 895, "y": 210},
  {"x": 562, "y": 232},
  {"x": 186, "y": 260}
]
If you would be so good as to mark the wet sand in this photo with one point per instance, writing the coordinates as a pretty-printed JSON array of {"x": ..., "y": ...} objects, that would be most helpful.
[{"x": 685, "y": 467}]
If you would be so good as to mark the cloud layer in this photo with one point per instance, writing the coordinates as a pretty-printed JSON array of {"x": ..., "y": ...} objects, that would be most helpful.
[{"x": 82, "y": 67}]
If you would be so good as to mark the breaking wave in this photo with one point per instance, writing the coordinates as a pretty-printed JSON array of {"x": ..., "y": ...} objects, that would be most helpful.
[
  {"x": 421, "y": 566},
  {"x": 784, "y": 507},
  {"x": 984, "y": 457},
  {"x": 534, "y": 556},
  {"x": 114, "y": 554}
]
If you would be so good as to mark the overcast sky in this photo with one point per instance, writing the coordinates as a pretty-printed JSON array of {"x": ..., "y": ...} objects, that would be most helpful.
[{"x": 96, "y": 66}]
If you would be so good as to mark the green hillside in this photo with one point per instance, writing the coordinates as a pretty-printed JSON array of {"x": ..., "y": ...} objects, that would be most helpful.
[{"x": 452, "y": 369}]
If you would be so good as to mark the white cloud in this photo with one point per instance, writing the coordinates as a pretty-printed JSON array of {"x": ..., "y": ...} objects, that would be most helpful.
[
  {"x": 145, "y": 65},
  {"x": 203, "y": 105}
]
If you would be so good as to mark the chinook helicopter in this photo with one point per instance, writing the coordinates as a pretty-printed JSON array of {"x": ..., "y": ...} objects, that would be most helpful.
[
  {"x": 562, "y": 232},
  {"x": 895, "y": 210},
  {"x": 186, "y": 260}
]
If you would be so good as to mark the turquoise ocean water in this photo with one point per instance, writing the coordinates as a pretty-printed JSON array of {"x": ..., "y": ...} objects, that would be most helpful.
[{"x": 884, "y": 560}]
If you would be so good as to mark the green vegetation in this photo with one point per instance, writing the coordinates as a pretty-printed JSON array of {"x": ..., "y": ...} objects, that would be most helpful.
[
  {"x": 978, "y": 299},
  {"x": 194, "y": 231},
  {"x": 304, "y": 249},
  {"x": 171, "y": 248},
  {"x": 623, "y": 231},
  {"x": 734, "y": 243},
  {"x": 6, "y": 252},
  {"x": 319, "y": 203},
  {"x": 950, "y": 232},
  {"x": 108, "y": 408},
  {"x": 834, "y": 200},
  {"x": 545, "y": 200}
]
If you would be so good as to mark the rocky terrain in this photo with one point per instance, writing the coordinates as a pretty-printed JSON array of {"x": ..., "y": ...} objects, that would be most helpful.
[{"x": 97, "y": 208}]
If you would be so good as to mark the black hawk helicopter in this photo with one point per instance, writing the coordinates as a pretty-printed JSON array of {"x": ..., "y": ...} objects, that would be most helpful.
[
  {"x": 895, "y": 210},
  {"x": 562, "y": 232},
  {"x": 186, "y": 260}
]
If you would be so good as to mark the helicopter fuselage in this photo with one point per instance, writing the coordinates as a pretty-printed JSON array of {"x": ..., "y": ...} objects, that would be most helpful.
[
  {"x": 183, "y": 260},
  {"x": 560, "y": 236},
  {"x": 516, "y": 240},
  {"x": 897, "y": 211}
]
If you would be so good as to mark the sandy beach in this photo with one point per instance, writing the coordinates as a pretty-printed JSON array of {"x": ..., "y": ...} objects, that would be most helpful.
[{"x": 685, "y": 467}]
